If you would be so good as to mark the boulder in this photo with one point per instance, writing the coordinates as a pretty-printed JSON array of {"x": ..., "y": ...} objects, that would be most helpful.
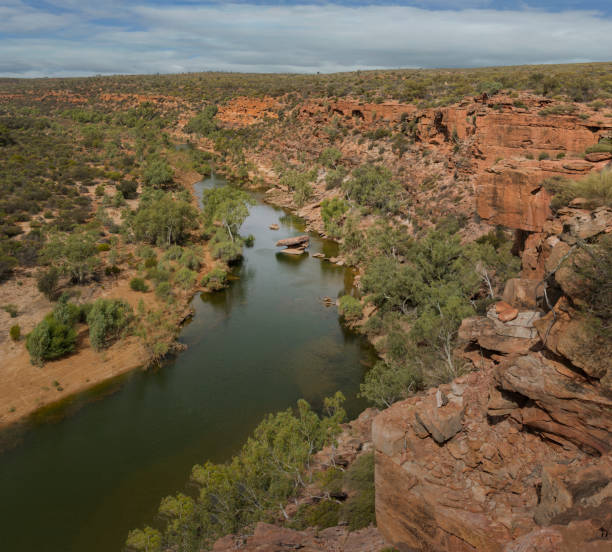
[
  {"x": 581, "y": 224},
  {"x": 523, "y": 293},
  {"x": 599, "y": 156},
  {"x": 566, "y": 333},
  {"x": 566, "y": 403},
  {"x": 293, "y": 251},
  {"x": 297, "y": 241},
  {"x": 495, "y": 335},
  {"x": 274, "y": 227}
]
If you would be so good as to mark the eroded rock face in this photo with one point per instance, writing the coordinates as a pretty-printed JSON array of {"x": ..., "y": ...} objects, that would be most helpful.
[
  {"x": 510, "y": 465},
  {"x": 516, "y": 456}
]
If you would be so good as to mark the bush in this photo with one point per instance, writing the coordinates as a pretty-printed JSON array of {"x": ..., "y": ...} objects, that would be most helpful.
[
  {"x": 164, "y": 291},
  {"x": 128, "y": 189},
  {"x": 15, "y": 332},
  {"x": 139, "y": 284},
  {"x": 103, "y": 247},
  {"x": 50, "y": 340},
  {"x": 329, "y": 157},
  {"x": 543, "y": 156},
  {"x": 359, "y": 510},
  {"x": 373, "y": 186},
  {"x": 185, "y": 278},
  {"x": 108, "y": 319},
  {"x": 227, "y": 251},
  {"x": 595, "y": 188},
  {"x": 350, "y": 308},
  {"x": 332, "y": 212},
  {"x": 602, "y": 147},
  {"x": 158, "y": 174},
  {"x": 335, "y": 178},
  {"x": 215, "y": 279}
]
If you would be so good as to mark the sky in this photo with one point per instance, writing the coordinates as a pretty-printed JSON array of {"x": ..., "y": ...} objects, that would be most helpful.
[{"x": 50, "y": 38}]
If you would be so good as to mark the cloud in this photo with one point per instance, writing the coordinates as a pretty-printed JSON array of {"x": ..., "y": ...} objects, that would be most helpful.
[{"x": 133, "y": 37}]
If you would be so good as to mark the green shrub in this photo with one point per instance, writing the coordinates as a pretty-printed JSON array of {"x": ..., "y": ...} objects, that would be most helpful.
[
  {"x": 189, "y": 259},
  {"x": 602, "y": 147},
  {"x": 50, "y": 340},
  {"x": 543, "y": 155},
  {"x": 227, "y": 251},
  {"x": 215, "y": 279},
  {"x": 150, "y": 262},
  {"x": 15, "y": 332},
  {"x": 103, "y": 247},
  {"x": 359, "y": 509},
  {"x": 139, "y": 284},
  {"x": 595, "y": 188},
  {"x": 350, "y": 308},
  {"x": 68, "y": 313},
  {"x": 249, "y": 241},
  {"x": 164, "y": 290},
  {"x": 335, "y": 178},
  {"x": 108, "y": 319},
  {"x": 329, "y": 157},
  {"x": 158, "y": 174},
  {"x": 185, "y": 278},
  {"x": 332, "y": 212},
  {"x": 373, "y": 186}
]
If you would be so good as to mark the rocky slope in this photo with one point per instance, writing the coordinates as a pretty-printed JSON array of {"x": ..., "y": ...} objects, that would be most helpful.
[
  {"x": 483, "y": 159},
  {"x": 516, "y": 455}
]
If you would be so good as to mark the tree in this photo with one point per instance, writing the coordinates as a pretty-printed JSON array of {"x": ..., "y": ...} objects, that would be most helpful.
[
  {"x": 228, "y": 206},
  {"x": 163, "y": 220},
  {"x": 108, "y": 319},
  {"x": 50, "y": 340},
  {"x": 158, "y": 174},
  {"x": 75, "y": 254},
  {"x": 332, "y": 212},
  {"x": 329, "y": 157},
  {"x": 373, "y": 186}
]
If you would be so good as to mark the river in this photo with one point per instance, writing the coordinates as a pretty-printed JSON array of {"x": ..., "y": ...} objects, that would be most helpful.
[{"x": 85, "y": 472}]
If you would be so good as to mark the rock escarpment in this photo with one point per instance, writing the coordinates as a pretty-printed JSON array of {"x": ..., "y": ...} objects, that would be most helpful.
[{"x": 517, "y": 454}]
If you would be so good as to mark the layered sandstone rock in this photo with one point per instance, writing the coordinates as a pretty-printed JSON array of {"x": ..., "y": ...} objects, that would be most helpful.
[{"x": 271, "y": 538}]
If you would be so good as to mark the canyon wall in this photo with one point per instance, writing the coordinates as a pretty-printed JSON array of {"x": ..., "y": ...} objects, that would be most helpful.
[{"x": 515, "y": 455}]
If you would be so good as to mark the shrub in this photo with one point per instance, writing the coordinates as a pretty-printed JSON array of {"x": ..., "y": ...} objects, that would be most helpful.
[
  {"x": 215, "y": 279},
  {"x": 46, "y": 281},
  {"x": 164, "y": 291},
  {"x": 350, "y": 308},
  {"x": 128, "y": 188},
  {"x": 158, "y": 174},
  {"x": 249, "y": 241},
  {"x": 189, "y": 259},
  {"x": 373, "y": 186},
  {"x": 50, "y": 340},
  {"x": 108, "y": 319},
  {"x": 359, "y": 510},
  {"x": 15, "y": 332},
  {"x": 227, "y": 251},
  {"x": 543, "y": 156},
  {"x": 332, "y": 212},
  {"x": 185, "y": 278},
  {"x": 335, "y": 178},
  {"x": 103, "y": 247},
  {"x": 329, "y": 157},
  {"x": 595, "y": 188},
  {"x": 139, "y": 284},
  {"x": 602, "y": 147}
]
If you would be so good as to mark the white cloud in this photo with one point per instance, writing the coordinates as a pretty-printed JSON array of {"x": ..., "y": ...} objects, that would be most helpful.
[{"x": 243, "y": 37}]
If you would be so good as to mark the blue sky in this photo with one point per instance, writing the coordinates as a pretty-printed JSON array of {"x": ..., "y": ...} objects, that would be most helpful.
[{"x": 79, "y": 37}]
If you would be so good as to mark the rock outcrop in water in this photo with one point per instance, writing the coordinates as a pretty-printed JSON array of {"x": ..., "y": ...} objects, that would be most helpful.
[
  {"x": 294, "y": 246},
  {"x": 517, "y": 454}
]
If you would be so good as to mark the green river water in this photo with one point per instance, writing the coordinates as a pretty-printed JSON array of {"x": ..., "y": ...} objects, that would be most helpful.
[{"x": 77, "y": 477}]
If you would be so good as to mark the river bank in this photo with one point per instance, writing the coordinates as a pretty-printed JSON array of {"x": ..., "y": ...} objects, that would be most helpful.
[{"x": 27, "y": 388}]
